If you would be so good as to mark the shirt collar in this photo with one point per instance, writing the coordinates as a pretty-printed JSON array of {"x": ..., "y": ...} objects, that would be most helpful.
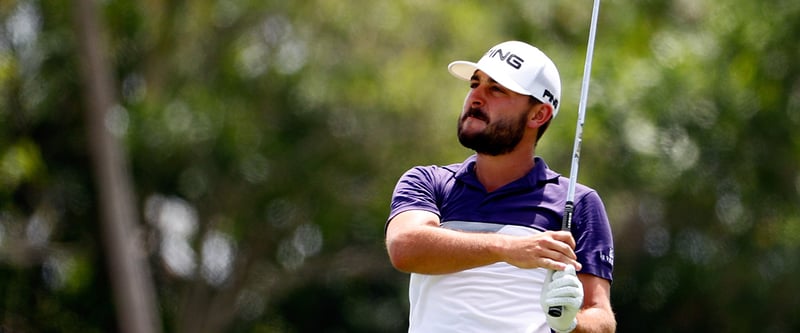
[{"x": 540, "y": 173}]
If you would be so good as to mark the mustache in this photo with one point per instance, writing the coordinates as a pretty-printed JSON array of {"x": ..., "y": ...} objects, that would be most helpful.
[{"x": 476, "y": 113}]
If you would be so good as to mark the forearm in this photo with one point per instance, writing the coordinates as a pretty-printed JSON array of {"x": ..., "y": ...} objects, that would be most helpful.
[
  {"x": 434, "y": 250},
  {"x": 416, "y": 243},
  {"x": 596, "y": 320}
]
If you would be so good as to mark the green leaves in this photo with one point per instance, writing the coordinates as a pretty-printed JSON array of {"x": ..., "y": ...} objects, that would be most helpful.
[{"x": 284, "y": 125}]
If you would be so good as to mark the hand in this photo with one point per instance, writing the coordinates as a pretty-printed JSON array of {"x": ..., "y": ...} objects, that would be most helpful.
[
  {"x": 550, "y": 250},
  {"x": 562, "y": 288}
]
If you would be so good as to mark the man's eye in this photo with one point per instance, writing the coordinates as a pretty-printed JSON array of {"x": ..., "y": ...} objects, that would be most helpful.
[{"x": 473, "y": 85}]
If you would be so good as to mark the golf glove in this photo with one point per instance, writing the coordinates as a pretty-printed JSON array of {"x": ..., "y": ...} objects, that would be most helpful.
[{"x": 562, "y": 288}]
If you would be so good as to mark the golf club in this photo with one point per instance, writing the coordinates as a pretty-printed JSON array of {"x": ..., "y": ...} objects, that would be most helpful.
[{"x": 566, "y": 223}]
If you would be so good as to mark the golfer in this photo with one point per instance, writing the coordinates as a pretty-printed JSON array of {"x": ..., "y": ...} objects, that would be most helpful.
[{"x": 482, "y": 238}]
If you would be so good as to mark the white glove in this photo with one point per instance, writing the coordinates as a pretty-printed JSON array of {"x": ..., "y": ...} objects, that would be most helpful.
[{"x": 562, "y": 289}]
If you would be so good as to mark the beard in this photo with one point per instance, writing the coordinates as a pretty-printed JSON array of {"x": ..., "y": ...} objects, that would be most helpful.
[{"x": 497, "y": 138}]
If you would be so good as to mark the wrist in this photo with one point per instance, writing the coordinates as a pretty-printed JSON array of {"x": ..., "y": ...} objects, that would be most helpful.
[{"x": 498, "y": 247}]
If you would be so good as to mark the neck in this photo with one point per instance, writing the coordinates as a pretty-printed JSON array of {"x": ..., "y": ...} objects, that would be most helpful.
[{"x": 495, "y": 172}]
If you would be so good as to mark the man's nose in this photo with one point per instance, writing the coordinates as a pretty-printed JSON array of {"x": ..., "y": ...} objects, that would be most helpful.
[{"x": 477, "y": 97}]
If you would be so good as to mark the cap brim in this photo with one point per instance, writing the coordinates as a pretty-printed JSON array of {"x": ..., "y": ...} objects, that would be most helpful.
[
  {"x": 462, "y": 69},
  {"x": 465, "y": 69}
]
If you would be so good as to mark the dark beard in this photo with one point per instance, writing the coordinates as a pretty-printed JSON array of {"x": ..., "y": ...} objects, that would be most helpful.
[{"x": 497, "y": 138}]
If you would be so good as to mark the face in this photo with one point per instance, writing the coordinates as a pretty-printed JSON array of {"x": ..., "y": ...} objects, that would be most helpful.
[{"x": 494, "y": 118}]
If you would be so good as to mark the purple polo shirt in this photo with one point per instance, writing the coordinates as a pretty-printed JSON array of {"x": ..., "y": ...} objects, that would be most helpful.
[{"x": 536, "y": 200}]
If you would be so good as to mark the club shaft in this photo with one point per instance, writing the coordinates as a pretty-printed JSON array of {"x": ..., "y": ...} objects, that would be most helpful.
[
  {"x": 566, "y": 223},
  {"x": 587, "y": 72}
]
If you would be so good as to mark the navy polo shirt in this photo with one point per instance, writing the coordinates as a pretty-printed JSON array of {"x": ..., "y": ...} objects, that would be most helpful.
[{"x": 536, "y": 200}]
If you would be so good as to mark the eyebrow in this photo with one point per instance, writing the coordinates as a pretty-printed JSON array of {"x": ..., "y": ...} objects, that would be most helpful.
[{"x": 476, "y": 78}]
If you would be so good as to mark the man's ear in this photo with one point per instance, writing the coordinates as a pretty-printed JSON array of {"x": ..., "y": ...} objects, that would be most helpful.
[{"x": 540, "y": 114}]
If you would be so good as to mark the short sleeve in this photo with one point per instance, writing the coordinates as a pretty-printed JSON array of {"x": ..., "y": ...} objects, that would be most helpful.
[
  {"x": 592, "y": 232},
  {"x": 416, "y": 189}
]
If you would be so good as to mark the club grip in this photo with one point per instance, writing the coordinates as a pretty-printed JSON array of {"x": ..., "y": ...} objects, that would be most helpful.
[{"x": 566, "y": 224}]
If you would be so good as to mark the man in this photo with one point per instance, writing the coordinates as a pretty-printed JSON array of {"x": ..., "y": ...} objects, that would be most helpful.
[{"x": 482, "y": 238}]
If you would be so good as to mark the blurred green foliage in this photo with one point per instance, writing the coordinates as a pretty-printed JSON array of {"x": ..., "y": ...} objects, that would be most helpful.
[{"x": 265, "y": 138}]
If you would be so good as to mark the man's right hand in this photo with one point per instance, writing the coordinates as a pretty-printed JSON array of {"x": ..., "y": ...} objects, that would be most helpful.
[{"x": 552, "y": 250}]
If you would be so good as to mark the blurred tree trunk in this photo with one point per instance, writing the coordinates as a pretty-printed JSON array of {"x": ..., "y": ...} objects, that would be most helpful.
[{"x": 129, "y": 272}]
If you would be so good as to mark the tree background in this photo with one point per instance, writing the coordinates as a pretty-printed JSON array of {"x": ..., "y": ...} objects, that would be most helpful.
[{"x": 263, "y": 140}]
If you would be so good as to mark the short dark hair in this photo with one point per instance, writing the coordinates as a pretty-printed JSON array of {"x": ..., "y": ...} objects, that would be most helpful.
[{"x": 534, "y": 101}]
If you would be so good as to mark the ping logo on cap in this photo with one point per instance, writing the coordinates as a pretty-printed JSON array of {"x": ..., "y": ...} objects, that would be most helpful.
[
  {"x": 512, "y": 59},
  {"x": 547, "y": 94}
]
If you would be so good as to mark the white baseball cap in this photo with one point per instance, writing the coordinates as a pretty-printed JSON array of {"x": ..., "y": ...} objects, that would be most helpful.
[{"x": 517, "y": 66}]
